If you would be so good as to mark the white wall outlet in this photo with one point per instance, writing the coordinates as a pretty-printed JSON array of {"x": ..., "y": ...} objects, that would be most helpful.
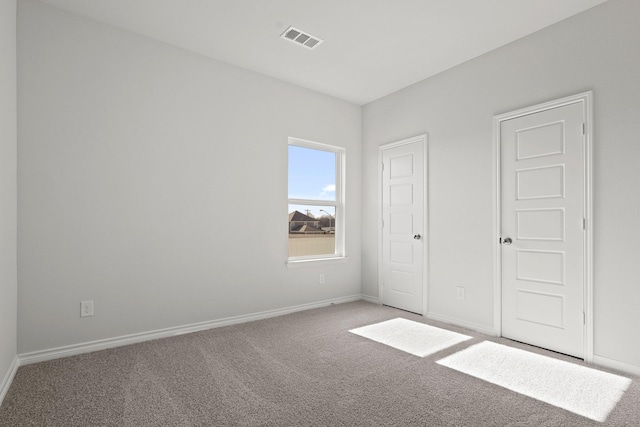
[
  {"x": 460, "y": 292},
  {"x": 86, "y": 308},
  {"x": 321, "y": 279}
]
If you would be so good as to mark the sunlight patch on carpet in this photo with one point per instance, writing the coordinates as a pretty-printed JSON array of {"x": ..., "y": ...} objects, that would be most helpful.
[
  {"x": 409, "y": 336},
  {"x": 581, "y": 390}
]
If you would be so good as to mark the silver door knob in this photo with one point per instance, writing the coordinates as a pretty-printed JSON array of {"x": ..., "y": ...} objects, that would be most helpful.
[
  {"x": 417, "y": 237},
  {"x": 507, "y": 241}
]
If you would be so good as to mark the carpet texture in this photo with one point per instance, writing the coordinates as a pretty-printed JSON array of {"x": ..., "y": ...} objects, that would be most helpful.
[
  {"x": 302, "y": 369},
  {"x": 413, "y": 337}
]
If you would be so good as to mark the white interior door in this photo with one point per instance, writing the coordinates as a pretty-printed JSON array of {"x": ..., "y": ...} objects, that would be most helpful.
[
  {"x": 403, "y": 224},
  {"x": 543, "y": 228}
]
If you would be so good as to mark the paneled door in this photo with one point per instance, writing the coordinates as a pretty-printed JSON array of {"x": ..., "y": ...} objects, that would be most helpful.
[
  {"x": 542, "y": 158},
  {"x": 403, "y": 224}
]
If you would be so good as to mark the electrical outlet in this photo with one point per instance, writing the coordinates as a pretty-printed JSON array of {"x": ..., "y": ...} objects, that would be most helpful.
[
  {"x": 321, "y": 280},
  {"x": 86, "y": 308},
  {"x": 460, "y": 292}
]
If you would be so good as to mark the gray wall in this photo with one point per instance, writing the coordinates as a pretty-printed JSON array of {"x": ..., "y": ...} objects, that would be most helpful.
[
  {"x": 154, "y": 182},
  {"x": 597, "y": 50},
  {"x": 8, "y": 280}
]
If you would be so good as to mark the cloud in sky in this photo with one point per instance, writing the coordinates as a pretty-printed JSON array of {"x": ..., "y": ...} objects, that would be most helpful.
[
  {"x": 331, "y": 188},
  {"x": 327, "y": 189}
]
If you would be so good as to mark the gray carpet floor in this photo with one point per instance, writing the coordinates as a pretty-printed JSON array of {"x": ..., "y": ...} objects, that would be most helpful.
[{"x": 302, "y": 369}]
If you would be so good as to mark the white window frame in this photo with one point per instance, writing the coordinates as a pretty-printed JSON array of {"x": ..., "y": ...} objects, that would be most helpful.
[{"x": 339, "y": 203}]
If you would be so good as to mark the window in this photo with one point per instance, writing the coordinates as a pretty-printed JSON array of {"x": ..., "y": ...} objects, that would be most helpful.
[{"x": 316, "y": 201}]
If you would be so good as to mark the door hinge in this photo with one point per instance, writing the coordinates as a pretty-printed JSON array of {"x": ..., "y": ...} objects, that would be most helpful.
[
  {"x": 382, "y": 166},
  {"x": 584, "y": 223},
  {"x": 584, "y": 129},
  {"x": 584, "y": 318},
  {"x": 383, "y": 223}
]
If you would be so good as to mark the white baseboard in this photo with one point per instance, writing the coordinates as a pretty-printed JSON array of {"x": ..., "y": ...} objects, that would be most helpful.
[
  {"x": 374, "y": 300},
  {"x": 616, "y": 365},
  {"x": 70, "y": 350},
  {"x": 8, "y": 378},
  {"x": 87, "y": 347},
  {"x": 462, "y": 323},
  {"x": 604, "y": 362}
]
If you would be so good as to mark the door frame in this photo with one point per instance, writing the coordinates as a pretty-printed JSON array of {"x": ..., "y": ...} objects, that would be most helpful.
[
  {"x": 586, "y": 100},
  {"x": 425, "y": 253}
]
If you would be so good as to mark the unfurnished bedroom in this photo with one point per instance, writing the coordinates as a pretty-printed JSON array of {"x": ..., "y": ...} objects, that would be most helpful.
[{"x": 338, "y": 213}]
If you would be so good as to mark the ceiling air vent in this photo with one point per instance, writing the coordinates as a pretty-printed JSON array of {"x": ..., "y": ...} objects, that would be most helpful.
[{"x": 301, "y": 38}]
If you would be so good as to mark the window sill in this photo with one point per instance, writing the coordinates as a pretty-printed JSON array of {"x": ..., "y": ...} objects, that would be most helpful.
[{"x": 293, "y": 263}]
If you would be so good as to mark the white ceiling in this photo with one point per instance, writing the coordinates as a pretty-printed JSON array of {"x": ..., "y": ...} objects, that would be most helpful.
[{"x": 371, "y": 47}]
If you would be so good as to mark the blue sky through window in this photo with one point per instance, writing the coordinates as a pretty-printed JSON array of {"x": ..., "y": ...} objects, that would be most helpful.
[{"x": 312, "y": 174}]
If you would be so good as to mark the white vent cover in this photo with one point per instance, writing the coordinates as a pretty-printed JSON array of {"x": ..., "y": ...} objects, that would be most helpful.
[{"x": 300, "y": 37}]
